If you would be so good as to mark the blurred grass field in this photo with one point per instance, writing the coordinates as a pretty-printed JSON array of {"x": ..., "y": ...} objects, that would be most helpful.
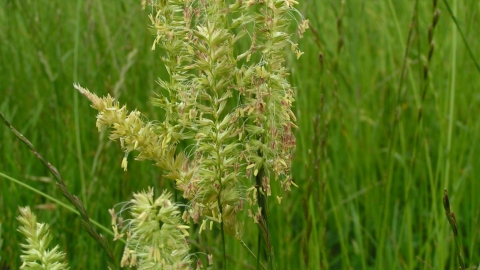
[{"x": 378, "y": 141}]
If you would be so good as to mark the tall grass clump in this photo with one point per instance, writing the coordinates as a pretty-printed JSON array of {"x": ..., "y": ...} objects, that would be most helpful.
[{"x": 231, "y": 106}]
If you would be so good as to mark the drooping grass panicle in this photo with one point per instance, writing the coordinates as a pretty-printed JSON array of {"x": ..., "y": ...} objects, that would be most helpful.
[{"x": 36, "y": 254}]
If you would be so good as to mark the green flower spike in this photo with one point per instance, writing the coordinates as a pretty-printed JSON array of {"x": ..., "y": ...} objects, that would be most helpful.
[
  {"x": 156, "y": 238},
  {"x": 36, "y": 256}
]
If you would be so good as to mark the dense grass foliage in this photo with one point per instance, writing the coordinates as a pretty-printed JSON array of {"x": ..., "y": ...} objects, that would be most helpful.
[{"x": 383, "y": 130}]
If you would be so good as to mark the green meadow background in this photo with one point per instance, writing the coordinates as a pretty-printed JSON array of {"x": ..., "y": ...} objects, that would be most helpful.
[{"x": 383, "y": 131}]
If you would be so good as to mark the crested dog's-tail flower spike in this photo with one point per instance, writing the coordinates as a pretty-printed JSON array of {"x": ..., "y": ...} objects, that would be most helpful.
[
  {"x": 156, "y": 236},
  {"x": 36, "y": 254}
]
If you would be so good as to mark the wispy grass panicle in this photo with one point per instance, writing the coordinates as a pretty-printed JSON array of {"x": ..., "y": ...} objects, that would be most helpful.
[
  {"x": 36, "y": 254},
  {"x": 267, "y": 101},
  {"x": 268, "y": 96}
]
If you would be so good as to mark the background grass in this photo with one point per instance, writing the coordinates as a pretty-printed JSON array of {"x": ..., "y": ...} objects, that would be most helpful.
[{"x": 370, "y": 171}]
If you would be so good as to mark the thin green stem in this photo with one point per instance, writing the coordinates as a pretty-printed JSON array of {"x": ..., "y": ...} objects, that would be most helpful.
[
  {"x": 456, "y": 24},
  {"x": 251, "y": 253},
  {"x": 74, "y": 200},
  {"x": 259, "y": 247},
  {"x": 220, "y": 209},
  {"x": 78, "y": 144},
  {"x": 58, "y": 202},
  {"x": 396, "y": 126},
  {"x": 222, "y": 232},
  {"x": 263, "y": 222},
  {"x": 451, "y": 98}
]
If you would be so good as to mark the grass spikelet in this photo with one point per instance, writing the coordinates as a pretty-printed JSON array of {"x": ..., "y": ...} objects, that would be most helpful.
[{"x": 36, "y": 255}]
